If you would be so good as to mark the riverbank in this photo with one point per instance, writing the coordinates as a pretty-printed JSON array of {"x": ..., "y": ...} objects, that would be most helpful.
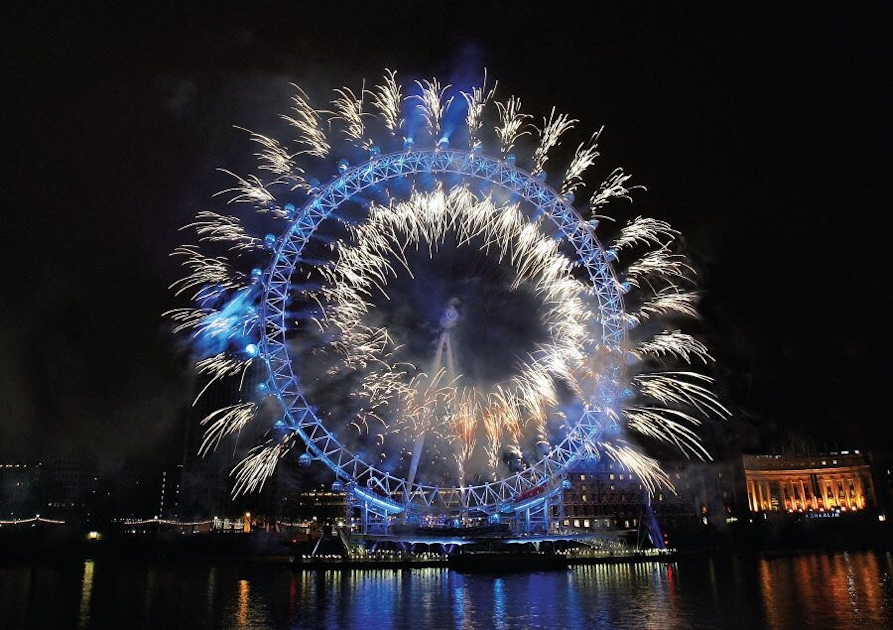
[{"x": 61, "y": 543}]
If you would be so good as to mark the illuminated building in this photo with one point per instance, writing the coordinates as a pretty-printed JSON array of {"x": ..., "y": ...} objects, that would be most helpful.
[
  {"x": 838, "y": 482},
  {"x": 605, "y": 496},
  {"x": 326, "y": 506}
]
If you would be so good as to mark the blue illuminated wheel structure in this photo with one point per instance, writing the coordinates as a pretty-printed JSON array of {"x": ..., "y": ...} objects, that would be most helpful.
[
  {"x": 393, "y": 492},
  {"x": 437, "y": 322}
]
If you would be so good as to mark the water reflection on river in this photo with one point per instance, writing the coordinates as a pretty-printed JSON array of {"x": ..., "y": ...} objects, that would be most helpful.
[{"x": 841, "y": 590}]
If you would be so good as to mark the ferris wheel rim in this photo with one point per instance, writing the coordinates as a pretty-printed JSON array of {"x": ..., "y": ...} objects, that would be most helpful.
[{"x": 285, "y": 385}]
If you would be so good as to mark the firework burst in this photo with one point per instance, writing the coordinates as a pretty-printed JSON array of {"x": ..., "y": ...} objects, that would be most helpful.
[{"x": 438, "y": 324}]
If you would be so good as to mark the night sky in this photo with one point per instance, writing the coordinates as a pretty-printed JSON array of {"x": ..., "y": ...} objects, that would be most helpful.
[{"x": 762, "y": 134}]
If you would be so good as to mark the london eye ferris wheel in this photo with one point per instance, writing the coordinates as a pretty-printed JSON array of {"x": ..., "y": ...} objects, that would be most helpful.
[{"x": 429, "y": 311}]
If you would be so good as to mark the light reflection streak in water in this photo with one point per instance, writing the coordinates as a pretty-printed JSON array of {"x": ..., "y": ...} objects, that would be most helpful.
[
  {"x": 244, "y": 601},
  {"x": 499, "y": 607},
  {"x": 843, "y": 590},
  {"x": 86, "y": 594}
]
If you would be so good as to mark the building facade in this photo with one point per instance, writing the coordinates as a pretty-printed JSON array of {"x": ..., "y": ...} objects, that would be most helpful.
[
  {"x": 603, "y": 496},
  {"x": 832, "y": 482}
]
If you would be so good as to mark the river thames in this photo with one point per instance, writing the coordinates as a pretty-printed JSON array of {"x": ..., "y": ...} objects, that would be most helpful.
[{"x": 806, "y": 590}]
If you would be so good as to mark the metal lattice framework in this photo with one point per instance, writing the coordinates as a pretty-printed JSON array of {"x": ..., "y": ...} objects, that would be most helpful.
[{"x": 299, "y": 415}]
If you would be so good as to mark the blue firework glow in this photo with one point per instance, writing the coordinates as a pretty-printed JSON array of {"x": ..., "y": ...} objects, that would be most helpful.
[{"x": 433, "y": 314}]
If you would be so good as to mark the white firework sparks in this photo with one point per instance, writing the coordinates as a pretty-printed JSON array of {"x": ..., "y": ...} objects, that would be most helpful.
[
  {"x": 423, "y": 223},
  {"x": 224, "y": 422},
  {"x": 349, "y": 110},
  {"x": 248, "y": 189},
  {"x": 308, "y": 122},
  {"x": 212, "y": 227},
  {"x": 553, "y": 128},
  {"x": 584, "y": 157},
  {"x": 210, "y": 276},
  {"x": 276, "y": 159},
  {"x": 220, "y": 366},
  {"x": 512, "y": 123},
  {"x": 645, "y": 231},
  {"x": 669, "y": 301},
  {"x": 614, "y": 187},
  {"x": 477, "y": 101},
  {"x": 432, "y": 104},
  {"x": 674, "y": 344},
  {"x": 251, "y": 472},
  {"x": 387, "y": 97}
]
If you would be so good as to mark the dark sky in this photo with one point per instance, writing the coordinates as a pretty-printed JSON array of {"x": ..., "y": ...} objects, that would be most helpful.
[{"x": 762, "y": 134}]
